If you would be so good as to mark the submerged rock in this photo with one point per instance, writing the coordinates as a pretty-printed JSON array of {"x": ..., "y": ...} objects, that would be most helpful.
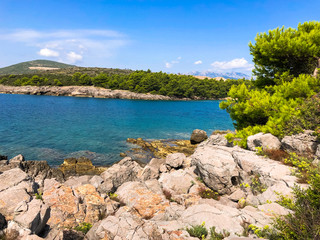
[
  {"x": 160, "y": 148},
  {"x": 79, "y": 166}
]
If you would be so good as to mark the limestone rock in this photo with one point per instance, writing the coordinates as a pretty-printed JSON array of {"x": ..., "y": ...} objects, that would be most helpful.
[
  {"x": 273, "y": 209},
  {"x": 237, "y": 195},
  {"x": 198, "y": 136},
  {"x": 69, "y": 205},
  {"x": 149, "y": 172},
  {"x": 266, "y": 141},
  {"x": 124, "y": 171},
  {"x": 302, "y": 143},
  {"x": 10, "y": 198},
  {"x": 175, "y": 160},
  {"x": 12, "y": 178},
  {"x": 16, "y": 161},
  {"x": 222, "y": 217},
  {"x": 125, "y": 226},
  {"x": 76, "y": 181},
  {"x": 93, "y": 203},
  {"x": 96, "y": 181},
  {"x": 217, "y": 139},
  {"x": 177, "y": 182},
  {"x": 41, "y": 170},
  {"x": 138, "y": 196},
  {"x": 35, "y": 217},
  {"x": 216, "y": 168},
  {"x": 64, "y": 206}
]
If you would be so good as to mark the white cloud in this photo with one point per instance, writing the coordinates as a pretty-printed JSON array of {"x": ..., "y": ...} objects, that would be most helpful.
[
  {"x": 168, "y": 65},
  {"x": 46, "y": 52},
  {"x": 198, "y": 62},
  {"x": 237, "y": 63},
  {"x": 171, "y": 63},
  {"x": 69, "y": 45},
  {"x": 74, "y": 57}
]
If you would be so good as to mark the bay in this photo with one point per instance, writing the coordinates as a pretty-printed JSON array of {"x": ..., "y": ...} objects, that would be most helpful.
[{"x": 52, "y": 128}]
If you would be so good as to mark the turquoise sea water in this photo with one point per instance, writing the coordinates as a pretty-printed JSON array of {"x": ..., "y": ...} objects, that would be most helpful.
[{"x": 53, "y": 128}]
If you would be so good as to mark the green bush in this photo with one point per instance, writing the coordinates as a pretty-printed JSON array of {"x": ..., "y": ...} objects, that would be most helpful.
[
  {"x": 218, "y": 236},
  {"x": 304, "y": 221},
  {"x": 198, "y": 231},
  {"x": 83, "y": 227}
]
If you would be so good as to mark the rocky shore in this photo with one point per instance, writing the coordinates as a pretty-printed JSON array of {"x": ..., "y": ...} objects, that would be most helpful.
[
  {"x": 81, "y": 91},
  {"x": 219, "y": 185}
]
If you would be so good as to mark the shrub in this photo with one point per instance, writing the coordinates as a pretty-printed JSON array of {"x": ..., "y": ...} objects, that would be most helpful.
[
  {"x": 304, "y": 166},
  {"x": 276, "y": 154},
  {"x": 217, "y": 236},
  {"x": 208, "y": 193},
  {"x": 39, "y": 195},
  {"x": 83, "y": 227},
  {"x": 304, "y": 221},
  {"x": 198, "y": 231},
  {"x": 113, "y": 196}
]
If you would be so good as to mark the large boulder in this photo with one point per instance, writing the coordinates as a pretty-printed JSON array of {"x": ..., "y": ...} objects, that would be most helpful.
[
  {"x": 16, "y": 161},
  {"x": 220, "y": 216},
  {"x": 41, "y": 170},
  {"x": 175, "y": 160},
  {"x": 124, "y": 225},
  {"x": 302, "y": 143},
  {"x": 12, "y": 178},
  {"x": 124, "y": 171},
  {"x": 217, "y": 139},
  {"x": 266, "y": 141},
  {"x": 139, "y": 196},
  {"x": 217, "y": 167},
  {"x": 178, "y": 182},
  {"x": 14, "y": 187},
  {"x": 33, "y": 215},
  {"x": 198, "y": 136},
  {"x": 72, "y": 205}
]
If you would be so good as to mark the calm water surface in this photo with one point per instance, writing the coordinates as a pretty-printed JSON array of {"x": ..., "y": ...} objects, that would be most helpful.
[{"x": 53, "y": 128}]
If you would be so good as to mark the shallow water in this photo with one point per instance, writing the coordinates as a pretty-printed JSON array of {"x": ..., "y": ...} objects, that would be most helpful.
[{"x": 53, "y": 128}]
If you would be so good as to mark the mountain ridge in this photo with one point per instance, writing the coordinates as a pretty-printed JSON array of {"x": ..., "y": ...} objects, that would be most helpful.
[{"x": 211, "y": 74}]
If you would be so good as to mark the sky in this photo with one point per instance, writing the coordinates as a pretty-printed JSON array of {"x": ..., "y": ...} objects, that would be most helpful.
[{"x": 177, "y": 36}]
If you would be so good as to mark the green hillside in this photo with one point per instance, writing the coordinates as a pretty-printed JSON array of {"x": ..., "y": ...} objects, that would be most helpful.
[
  {"x": 52, "y": 67},
  {"x": 30, "y": 67}
]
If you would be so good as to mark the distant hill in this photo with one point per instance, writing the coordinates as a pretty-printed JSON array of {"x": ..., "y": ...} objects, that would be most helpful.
[
  {"x": 52, "y": 67},
  {"x": 232, "y": 75},
  {"x": 33, "y": 67}
]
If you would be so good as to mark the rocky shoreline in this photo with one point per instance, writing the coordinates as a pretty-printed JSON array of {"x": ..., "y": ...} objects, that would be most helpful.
[
  {"x": 219, "y": 185},
  {"x": 82, "y": 91}
]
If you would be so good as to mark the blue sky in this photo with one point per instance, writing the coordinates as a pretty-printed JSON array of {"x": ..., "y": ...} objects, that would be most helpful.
[{"x": 172, "y": 36}]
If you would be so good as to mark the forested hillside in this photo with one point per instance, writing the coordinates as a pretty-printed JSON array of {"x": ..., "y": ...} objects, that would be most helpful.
[{"x": 181, "y": 86}]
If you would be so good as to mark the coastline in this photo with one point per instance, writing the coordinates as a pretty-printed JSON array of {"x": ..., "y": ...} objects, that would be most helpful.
[{"x": 88, "y": 91}]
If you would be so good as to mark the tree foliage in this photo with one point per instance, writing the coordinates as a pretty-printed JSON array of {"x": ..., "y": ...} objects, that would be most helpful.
[
  {"x": 271, "y": 109},
  {"x": 286, "y": 50}
]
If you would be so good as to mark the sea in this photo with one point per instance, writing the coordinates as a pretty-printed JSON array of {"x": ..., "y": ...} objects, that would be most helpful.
[{"x": 53, "y": 128}]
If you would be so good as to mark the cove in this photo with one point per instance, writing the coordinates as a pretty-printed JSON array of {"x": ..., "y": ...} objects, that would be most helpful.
[{"x": 53, "y": 128}]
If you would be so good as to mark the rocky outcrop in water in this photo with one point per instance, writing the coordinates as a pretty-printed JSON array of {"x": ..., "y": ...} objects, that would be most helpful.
[{"x": 225, "y": 187}]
